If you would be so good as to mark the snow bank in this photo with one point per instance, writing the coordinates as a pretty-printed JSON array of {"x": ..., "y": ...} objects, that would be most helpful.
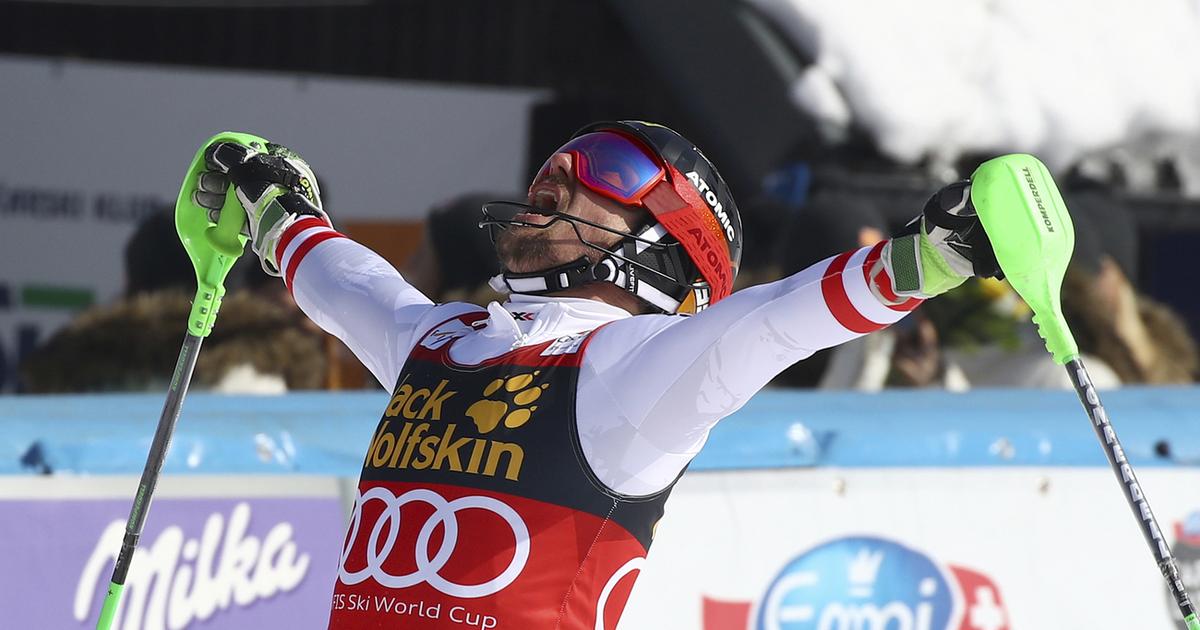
[{"x": 1058, "y": 78}]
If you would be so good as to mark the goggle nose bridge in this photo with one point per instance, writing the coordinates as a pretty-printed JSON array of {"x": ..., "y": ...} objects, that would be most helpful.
[{"x": 590, "y": 152}]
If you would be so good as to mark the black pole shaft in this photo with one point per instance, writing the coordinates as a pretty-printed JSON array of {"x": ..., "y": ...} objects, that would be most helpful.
[
  {"x": 180, "y": 380},
  {"x": 1134, "y": 494}
]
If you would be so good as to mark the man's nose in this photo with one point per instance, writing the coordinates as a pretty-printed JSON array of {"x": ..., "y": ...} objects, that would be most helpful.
[{"x": 560, "y": 164}]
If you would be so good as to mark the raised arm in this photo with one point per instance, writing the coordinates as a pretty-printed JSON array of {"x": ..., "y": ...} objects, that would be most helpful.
[
  {"x": 354, "y": 294},
  {"x": 682, "y": 375},
  {"x": 348, "y": 290}
]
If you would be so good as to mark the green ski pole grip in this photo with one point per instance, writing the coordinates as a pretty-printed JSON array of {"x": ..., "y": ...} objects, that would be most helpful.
[
  {"x": 226, "y": 236},
  {"x": 1033, "y": 238},
  {"x": 1192, "y": 622},
  {"x": 212, "y": 246}
]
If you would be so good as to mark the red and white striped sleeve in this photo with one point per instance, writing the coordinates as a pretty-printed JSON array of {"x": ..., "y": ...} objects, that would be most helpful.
[
  {"x": 863, "y": 303},
  {"x": 673, "y": 378},
  {"x": 352, "y": 293},
  {"x": 297, "y": 241}
]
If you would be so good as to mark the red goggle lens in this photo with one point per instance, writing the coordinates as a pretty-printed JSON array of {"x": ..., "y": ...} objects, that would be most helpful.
[{"x": 613, "y": 165}]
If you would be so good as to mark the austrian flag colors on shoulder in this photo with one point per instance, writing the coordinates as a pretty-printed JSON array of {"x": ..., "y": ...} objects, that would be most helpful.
[{"x": 859, "y": 292}]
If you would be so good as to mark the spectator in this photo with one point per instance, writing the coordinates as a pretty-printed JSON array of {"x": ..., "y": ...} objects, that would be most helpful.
[
  {"x": 906, "y": 355},
  {"x": 132, "y": 344},
  {"x": 1143, "y": 341},
  {"x": 456, "y": 259}
]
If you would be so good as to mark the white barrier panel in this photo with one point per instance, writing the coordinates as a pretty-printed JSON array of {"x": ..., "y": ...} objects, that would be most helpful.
[
  {"x": 219, "y": 553},
  {"x": 915, "y": 549},
  {"x": 858, "y": 549}
]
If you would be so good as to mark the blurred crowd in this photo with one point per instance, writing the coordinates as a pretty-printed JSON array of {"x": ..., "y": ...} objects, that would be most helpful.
[
  {"x": 262, "y": 344},
  {"x": 855, "y": 125},
  {"x": 855, "y": 128},
  {"x": 979, "y": 335}
]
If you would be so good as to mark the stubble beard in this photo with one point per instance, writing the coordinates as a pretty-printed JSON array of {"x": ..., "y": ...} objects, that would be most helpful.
[{"x": 523, "y": 249}]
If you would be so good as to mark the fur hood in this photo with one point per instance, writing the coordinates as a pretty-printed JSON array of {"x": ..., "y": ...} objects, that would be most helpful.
[{"x": 132, "y": 345}]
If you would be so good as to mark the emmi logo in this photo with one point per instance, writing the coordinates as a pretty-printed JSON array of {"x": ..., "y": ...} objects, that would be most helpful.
[{"x": 419, "y": 446}]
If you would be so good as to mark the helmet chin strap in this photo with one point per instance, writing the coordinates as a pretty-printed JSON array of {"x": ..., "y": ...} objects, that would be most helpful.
[
  {"x": 612, "y": 266},
  {"x": 551, "y": 280}
]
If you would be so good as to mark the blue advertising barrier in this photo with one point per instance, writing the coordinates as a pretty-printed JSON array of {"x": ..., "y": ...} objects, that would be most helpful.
[{"x": 328, "y": 433}]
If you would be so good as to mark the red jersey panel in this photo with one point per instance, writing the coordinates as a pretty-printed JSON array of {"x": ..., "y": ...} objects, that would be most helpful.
[{"x": 475, "y": 507}]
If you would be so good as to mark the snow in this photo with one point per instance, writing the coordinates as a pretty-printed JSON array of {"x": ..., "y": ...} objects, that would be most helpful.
[{"x": 1060, "y": 78}]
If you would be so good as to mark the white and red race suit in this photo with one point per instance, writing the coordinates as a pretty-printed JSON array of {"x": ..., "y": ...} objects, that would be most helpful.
[{"x": 523, "y": 460}]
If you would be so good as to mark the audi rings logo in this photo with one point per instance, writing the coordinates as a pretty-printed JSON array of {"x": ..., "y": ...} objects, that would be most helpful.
[{"x": 445, "y": 514}]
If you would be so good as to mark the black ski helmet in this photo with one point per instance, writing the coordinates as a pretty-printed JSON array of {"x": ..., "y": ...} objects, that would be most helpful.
[{"x": 685, "y": 258}]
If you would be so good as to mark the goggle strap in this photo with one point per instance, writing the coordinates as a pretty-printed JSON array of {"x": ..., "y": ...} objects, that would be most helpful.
[
  {"x": 706, "y": 249},
  {"x": 662, "y": 199}
]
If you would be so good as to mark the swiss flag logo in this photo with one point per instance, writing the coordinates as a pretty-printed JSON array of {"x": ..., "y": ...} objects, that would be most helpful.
[
  {"x": 983, "y": 607},
  {"x": 725, "y": 615}
]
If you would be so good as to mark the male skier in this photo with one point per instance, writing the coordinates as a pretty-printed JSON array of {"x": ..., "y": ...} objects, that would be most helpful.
[{"x": 518, "y": 472}]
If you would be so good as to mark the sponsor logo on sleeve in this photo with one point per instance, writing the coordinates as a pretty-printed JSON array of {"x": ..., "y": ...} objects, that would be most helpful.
[
  {"x": 444, "y": 334},
  {"x": 569, "y": 344}
]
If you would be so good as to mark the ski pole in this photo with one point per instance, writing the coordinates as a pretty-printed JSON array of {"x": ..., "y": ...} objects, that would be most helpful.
[
  {"x": 213, "y": 248},
  {"x": 1031, "y": 232}
]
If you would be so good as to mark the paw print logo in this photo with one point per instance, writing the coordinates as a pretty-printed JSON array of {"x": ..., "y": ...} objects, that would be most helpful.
[{"x": 487, "y": 414}]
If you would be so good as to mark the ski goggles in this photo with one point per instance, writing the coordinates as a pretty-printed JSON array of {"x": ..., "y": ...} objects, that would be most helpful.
[
  {"x": 612, "y": 165},
  {"x": 622, "y": 168}
]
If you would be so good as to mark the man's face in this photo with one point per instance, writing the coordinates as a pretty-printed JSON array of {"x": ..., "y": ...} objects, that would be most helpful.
[{"x": 524, "y": 249}]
